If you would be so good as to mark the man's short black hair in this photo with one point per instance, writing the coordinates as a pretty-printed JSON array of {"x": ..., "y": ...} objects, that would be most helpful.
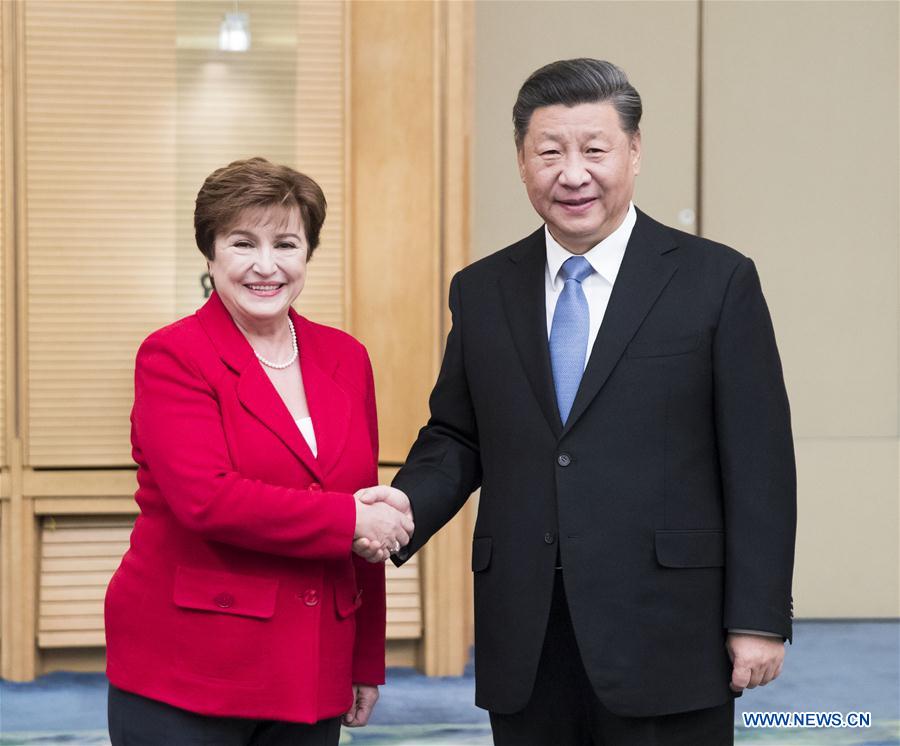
[{"x": 579, "y": 81}]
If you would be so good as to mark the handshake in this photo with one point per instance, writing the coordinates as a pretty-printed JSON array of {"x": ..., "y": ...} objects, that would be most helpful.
[{"x": 384, "y": 522}]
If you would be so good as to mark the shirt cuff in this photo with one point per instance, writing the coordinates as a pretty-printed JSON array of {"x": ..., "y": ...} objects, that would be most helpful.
[{"x": 756, "y": 632}]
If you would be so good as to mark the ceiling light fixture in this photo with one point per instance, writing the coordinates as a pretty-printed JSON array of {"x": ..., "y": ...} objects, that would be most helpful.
[{"x": 234, "y": 33}]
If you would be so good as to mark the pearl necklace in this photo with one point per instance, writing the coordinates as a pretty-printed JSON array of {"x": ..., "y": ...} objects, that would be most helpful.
[{"x": 289, "y": 363}]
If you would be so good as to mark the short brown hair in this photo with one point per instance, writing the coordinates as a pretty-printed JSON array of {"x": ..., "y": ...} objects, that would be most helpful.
[{"x": 255, "y": 182}]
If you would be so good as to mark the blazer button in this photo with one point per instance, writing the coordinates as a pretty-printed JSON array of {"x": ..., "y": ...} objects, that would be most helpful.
[
  {"x": 310, "y": 597},
  {"x": 564, "y": 459},
  {"x": 315, "y": 487},
  {"x": 224, "y": 600},
  {"x": 549, "y": 538}
]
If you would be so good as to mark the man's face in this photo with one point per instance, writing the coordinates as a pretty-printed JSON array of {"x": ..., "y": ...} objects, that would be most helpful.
[{"x": 578, "y": 166}]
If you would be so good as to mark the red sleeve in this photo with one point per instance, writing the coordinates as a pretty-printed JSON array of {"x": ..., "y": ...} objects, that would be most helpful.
[
  {"x": 179, "y": 435},
  {"x": 368, "y": 650}
]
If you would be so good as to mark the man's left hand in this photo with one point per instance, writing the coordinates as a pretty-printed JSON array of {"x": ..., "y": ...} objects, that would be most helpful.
[
  {"x": 756, "y": 659},
  {"x": 364, "y": 699}
]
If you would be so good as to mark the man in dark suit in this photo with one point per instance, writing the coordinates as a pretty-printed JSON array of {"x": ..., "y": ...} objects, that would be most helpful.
[{"x": 614, "y": 388}]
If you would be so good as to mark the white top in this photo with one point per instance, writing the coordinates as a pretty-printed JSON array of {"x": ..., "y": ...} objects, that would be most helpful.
[
  {"x": 606, "y": 258},
  {"x": 309, "y": 435}
]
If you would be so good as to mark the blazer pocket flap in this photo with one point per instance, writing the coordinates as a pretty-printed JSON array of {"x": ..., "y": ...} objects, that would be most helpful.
[
  {"x": 224, "y": 592},
  {"x": 347, "y": 599},
  {"x": 681, "y": 548},
  {"x": 663, "y": 347},
  {"x": 481, "y": 553}
]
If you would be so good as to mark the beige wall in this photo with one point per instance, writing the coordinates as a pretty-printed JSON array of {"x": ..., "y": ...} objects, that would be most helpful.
[
  {"x": 512, "y": 39},
  {"x": 797, "y": 146},
  {"x": 800, "y": 170}
]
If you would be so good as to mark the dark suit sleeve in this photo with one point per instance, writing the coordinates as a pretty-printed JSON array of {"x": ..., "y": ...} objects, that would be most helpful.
[
  {"x": 444, "y": 466},
  {"x": 756, "y": 454}
]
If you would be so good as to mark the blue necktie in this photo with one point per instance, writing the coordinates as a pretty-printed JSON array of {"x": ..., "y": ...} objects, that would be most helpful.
[{"x": 569, "y": 334}]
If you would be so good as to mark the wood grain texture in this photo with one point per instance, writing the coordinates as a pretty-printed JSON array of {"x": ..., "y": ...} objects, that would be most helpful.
[
  {"x": 395, "y": 210},
  {"x": 6, "y": 235},
  {"x": 448, "y": 603}
]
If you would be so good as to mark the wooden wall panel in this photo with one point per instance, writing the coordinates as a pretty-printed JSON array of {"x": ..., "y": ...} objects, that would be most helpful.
[
  {"x": 404, "y": 601},
  {"x": 409, "y": 154},
  {"x": 100, "y": 162},
  {"x": 78, "y": 557},
  {"x": 404, "y": 590},
  {"x": 5, "y": 235},
  {"x": 321, "y": 109},
  {"x": 122, "y": 130},
  {"x": 397, "y": 284}
]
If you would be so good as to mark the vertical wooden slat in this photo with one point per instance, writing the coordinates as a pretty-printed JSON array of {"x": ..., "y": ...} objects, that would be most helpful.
[
  {"x": 395, "y": 217},
  {"x": 18, "y": 561},
  {"x": 100, "y": 160},
  {"x": 409, "y": 144},
  {"x": 5, "y": 254}
]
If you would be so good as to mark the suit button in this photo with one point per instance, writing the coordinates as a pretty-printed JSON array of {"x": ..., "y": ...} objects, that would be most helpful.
[
  {"x": 224, "y": 600},
  {"x": 310, "y": 597},
  {"x": 315, "y": 487},
  {"x": 564, "y": 459},
  {"x": 549, "y": 538}
]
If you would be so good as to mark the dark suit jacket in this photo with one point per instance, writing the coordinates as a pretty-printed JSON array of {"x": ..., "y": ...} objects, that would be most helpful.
[{"x": 669, "y": 493}]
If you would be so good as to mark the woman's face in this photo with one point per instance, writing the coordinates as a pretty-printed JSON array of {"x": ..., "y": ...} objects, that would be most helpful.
[{"x": 260, "y": 264}]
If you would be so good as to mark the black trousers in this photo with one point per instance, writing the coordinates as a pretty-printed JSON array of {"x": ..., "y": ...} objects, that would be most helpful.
[
  {"x": 564, "y": 711},
  {"x": 138, "y": 721}
]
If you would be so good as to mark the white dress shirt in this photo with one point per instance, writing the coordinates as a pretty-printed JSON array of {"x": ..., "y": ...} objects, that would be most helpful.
[{"x": 606, "y": 258}]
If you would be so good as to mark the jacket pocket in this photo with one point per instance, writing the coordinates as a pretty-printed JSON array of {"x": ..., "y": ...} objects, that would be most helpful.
[
  {"x": 690, "y": 548},
  {"x": 664, "y": 347},
  {"x": 347, "y": 599},
  {"x": 481, "y": 553},
  {"x": 224, "y": 592}
]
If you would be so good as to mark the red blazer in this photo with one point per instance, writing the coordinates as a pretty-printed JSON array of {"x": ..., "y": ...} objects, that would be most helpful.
[{"x": 239, "y": 595}]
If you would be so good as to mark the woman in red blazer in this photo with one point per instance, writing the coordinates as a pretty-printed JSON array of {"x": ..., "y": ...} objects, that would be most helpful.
[{"x": 239, "y": 614}]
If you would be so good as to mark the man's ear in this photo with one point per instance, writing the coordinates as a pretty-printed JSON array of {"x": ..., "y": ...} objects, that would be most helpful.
[{"x": 635, "y": 148}]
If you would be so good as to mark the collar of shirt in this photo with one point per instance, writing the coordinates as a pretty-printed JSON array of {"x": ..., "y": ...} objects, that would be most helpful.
[{"x": 606, "y": 257}]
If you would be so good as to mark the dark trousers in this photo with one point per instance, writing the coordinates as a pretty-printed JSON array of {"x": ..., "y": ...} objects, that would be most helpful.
[
  {"x": 564, "y": 711},
  {"x": 138, "y": 721}
]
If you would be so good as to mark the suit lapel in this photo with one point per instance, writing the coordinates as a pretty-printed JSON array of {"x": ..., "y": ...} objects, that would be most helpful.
[
  {"x": 260, "y": 398},
  {"x": 254, "y": 389},
  {"x": 645, "y": 272},
  {"x": 329, "y": 405},
  {"x": 524, "y": 299}
]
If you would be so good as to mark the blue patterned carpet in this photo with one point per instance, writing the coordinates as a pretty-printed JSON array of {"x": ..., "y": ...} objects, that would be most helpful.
[{"x": 831, "y": 667}]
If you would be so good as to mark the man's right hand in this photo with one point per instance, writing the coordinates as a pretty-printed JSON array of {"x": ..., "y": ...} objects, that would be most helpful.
[
  {"x": 397, "y": 500},
  {"x": 380, "y": 527}
]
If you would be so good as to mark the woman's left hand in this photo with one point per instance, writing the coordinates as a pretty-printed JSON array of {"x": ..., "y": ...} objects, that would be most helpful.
[{"x": 364, "y": 699}]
